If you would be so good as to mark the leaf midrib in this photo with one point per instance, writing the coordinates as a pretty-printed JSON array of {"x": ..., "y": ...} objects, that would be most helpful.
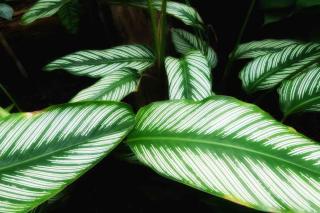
[
  {"x": 202, "y": 141},
  {"x": 297, "y": 107}
]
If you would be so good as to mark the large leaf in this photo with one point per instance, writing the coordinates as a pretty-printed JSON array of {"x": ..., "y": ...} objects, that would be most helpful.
[
  {"x": 43, "y": 152},
  {"x": 99, "y": 63},
  {"x": 183, "y": 12},
  {"x": 255, "y": 49},
  {"x": 43, "y": 9},
  {"x": 184, "y": 42},
  {"x": 69, "y": 15},
  {"x": 301, "y": 93},
  {"x": 189, "y": 77},
  {"x": 113, "y": 87},
  {"x": 267, "y": 71},
  {"x": 230, "y": 149}
]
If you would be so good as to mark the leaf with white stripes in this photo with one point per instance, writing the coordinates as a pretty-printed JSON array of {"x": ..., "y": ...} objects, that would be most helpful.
[
  {"x": 43, "y": 9},
  {"x": 268, "y": 71},
  {"x": 188, "y": 15},
  {"x": 189, "y": 77},
  {"x": 255, "y": 49},
  {"x": 113, "y": 87},
  {"x": 99, "y": 63},
  {"x": 301, "y": 93},
  {"x": 184, "y": 42},
  {"x": 230, "y": 149},
  {"x": 42, "y": 152}
]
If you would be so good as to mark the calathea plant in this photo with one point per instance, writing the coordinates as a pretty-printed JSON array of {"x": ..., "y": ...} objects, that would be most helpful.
[{"x": 214, "y": 143}]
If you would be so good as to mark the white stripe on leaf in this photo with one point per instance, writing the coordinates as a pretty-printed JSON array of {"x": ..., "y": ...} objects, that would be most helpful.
[
  {"x": 301, "y": 93},
  {"x": 183, "y": 12},
  {"x": 189, "y": 77},
  {"x": 230, "y": 149},
  {"x": 43, "y": 9},
  {"x": 42, "y": 152},
  {"x": 255, "y": 49},
  {"x": 184, "y": 42},
  {"x": 113, "y": 87},
  {"x": 268, "y": 71},
  {"x": 99, "y": 63}
]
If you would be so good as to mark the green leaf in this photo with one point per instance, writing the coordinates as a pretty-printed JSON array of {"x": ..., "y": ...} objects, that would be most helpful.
[
  {"x": 113, "y": 87},
  {"x": 42, "y": 152},
  {"x": 183, "y": 12},
  {"x": 184, "y": 42},
  {"x": 99, "y": 63},
  {"x": 230, "y": 149},
  {"x": 301, "y": 93},
  {"x": 43, "y": 9},
  {"x": 268, "y": 71},
  {"x": 6, "y": 11},
  {"x": 255, "y": 49},
  {"x": 307, "y": 3},
  {"x": 69, "y": 16},
  {"x": 189, "y": 77}
]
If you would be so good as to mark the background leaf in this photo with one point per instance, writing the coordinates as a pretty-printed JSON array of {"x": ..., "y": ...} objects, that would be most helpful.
[
  {"x": 230, "y": 149},
  {"x": 6, "y": 11},
  {"x": 189, "y": 77},
  {"x": 69, "y": 16},
  {"x": 99, "y": 63}
]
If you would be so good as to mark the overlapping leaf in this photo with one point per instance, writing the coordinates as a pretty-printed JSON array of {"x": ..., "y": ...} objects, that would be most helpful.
[
  {"x": 267, "y": 71},
  {"x": 230, "y": 149},
  {"x": 184, "y": 42},
  {"x": 183, "y": 12},
  {"x": 99, "y": 63},
  {"x": 255, "y": 49},
  {"x": 301, "y": 93},
  {"x": 43, "y": 9},
  {"x": 113, "y": 87},
  {"x": 189, "y": 77},
  {"x": 43, "y": 152}
]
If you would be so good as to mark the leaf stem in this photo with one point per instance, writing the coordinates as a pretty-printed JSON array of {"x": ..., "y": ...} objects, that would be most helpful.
[
  {"x": 162, "y": 32},
  {"x": 154, "y": 27},
  {"x": 239, "y": 38},
  {"x": 5, "y": 91}
]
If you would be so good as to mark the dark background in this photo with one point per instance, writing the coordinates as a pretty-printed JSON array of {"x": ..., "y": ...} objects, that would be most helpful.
[{"x": 116, "y": 184}]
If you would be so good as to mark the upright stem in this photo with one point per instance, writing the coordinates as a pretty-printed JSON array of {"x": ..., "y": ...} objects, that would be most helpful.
[
  {"x": 239, "y": 38},
  {"x": 162, "y": 32},
  {"x": 10, "y": 97},
  {"x": 154, "y": 26}
]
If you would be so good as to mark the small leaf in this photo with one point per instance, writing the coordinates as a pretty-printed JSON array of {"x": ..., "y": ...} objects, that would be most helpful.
[
  {"x": 268, "y": 71},
  {"x": 43, "y": 152},
  {"x": 6, "y": 11},
  {"x": 113, "y": 87},
  {"x": 69, "y": 16},
  {"x": 43, "y": 9},
  {"x": 230, "y": 149},
  {"x": 183, "y": 12},
  {"x": 301, "y": 93},
  {"x": 255, "y": 49},
  {"x": 189, "y": 77},
  {"x": 184, "y": 42},
  {"x": 99, "y": 63}
]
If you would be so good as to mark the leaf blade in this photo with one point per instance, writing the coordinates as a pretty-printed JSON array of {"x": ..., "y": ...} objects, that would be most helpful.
[
  {"x": 229, "y": 149},
  {"x": 51, "y": 149}
]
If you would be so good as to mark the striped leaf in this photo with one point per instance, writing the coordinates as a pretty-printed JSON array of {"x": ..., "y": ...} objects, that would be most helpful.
[
  {"x": 255, "y": 49},
  {"x": 230, "y": 149},
  {"x": 69, "y": 15},
  {"x": 189, "y": 77},
  {"x": 99, "y": 63},
  {"x": 183, "y": 12},
  {"x": 268, "y": 71},
  {"x": 184, "y": 42},
  {"x": 301, "y": 93},
  {"x": 42, "y": 152},
  {"x": 113, "y": 87},
  {"x": 43, "y": 9}
]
